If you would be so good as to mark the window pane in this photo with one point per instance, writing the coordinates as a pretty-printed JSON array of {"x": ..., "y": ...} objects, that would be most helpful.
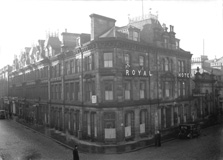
[
  {"x": 108, "y": 91},
  {"x": 141, "y": 60},
  {"x": 127, "y": 58},
  {"x": 142, "y": 90},
  {"x": 167, "y": 87}
]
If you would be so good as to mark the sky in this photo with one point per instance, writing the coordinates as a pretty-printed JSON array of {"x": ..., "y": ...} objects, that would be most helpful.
[{"x": 197, "y": 23}]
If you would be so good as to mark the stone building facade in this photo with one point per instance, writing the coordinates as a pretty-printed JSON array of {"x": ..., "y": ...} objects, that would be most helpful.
[{"x": 114, "y": 85}]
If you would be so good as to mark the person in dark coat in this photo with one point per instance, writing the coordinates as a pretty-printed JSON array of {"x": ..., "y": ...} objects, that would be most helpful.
[
  {"x": 75, "y": 153},
  {"x": 158, "y": 139}
]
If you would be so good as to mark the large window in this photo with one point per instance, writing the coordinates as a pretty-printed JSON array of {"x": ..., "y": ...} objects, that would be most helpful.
[
  {"x": 88, "y": 63},
  {"x": 127, "y": 87},
  {"x": 166, "y": 64},
  {"x": 109, "y": 125},
  {"x": 67, "y": 64},
  {"x": 90, "y": 90},
  {"x": 141, "y": 61},
  {"x": 181, "y": 89},
  {"x": 127, "y": 59},
  {"x": 108, "y": 60},
  {"x": 108, "y": 90},
  {"x": 72, "y": 66},
  {"x": 181, "y": 66},
  {"x": 59, "y": 92},
  {"x": 72, "y": 91},
  {"x": 167, "y": 89},
  {"x": 77, "y": 91},
  {"x": 171, "y": 65},
  {"x": 142, "y": 89},
  {"x": 143, "y": 121},
  {"x": 129, "y": 124},
  {"x": 78, "y": 65},
  {"x": 67, "y": 90}
]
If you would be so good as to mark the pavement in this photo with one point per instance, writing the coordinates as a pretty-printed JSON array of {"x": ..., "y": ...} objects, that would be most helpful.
[{"x": 84, "y": 146}]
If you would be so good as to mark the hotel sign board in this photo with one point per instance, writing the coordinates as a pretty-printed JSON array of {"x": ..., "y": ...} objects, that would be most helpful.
[{"x": 184, "y": 75}]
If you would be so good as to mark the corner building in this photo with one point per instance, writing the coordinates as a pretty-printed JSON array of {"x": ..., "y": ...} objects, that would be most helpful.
[
  {"x": 140, "y": 78},
  {"x": 115, "y": 85}
]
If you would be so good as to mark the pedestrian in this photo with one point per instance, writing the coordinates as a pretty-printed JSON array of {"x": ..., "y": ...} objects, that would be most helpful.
[
  {"x": 75, "y": 153},
  {"x": 158, "y": 139}
]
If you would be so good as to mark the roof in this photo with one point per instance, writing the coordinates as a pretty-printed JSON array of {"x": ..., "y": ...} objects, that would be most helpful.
[
  {"x": 54, "y": 42},
  {"x": 215, "y": 71},
  {"x": 114, "y": 33}
]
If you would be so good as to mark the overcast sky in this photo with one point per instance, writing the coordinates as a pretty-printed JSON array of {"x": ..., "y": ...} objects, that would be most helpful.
[{"x": 23, "y": 23}]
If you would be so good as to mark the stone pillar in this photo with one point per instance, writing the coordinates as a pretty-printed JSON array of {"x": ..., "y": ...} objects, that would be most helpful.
[
  {"x": 62, "y": 91},
  {"x": 80, "y": 123},
  {"x": 100, "y": 130},
  {"x": 172, "y": 115},
  {"x": 159, "y": 116},
  {"x": 137, "y": 123},
  {"x": 201, "y": 108},
  {"x": 49, "y": 96},
  {"x": 164, "y": 116},
  {"x": 156, "y": 120},
  {"x": 120, "y": 128}
]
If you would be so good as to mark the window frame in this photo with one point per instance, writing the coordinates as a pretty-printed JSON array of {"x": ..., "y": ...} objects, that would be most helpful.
[{"x": 108, "y": 59}]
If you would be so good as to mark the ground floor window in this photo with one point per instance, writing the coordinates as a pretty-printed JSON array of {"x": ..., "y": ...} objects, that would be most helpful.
[
  {"x": 109, "y": 125},
  {"x": 175, "y": 114},
  {"x": 129, "y": 124},
  {"x": 93, "y": 125},
  {"x": 168, "y": 117},
  {"x": 143, "y": 121}
]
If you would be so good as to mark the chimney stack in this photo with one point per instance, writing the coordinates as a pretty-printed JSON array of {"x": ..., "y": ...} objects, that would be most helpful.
[
  {"x": 164, "y": 27},
  {"x": 100, "y": 24},
  {"x": 171, "y": 28}
]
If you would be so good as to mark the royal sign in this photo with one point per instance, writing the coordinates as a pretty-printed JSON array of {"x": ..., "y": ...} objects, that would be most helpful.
[{"x": 139, "y": 73}]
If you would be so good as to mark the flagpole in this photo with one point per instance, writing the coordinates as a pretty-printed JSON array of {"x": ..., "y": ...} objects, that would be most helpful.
[{"x": 203, "y": 46}]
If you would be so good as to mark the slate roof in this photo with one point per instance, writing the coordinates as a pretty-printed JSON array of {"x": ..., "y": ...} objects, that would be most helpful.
[{"x": 54, "y": 42}]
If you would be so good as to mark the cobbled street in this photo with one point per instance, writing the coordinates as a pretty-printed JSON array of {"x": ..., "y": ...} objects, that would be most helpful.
[{"x": 19, "y": 143}]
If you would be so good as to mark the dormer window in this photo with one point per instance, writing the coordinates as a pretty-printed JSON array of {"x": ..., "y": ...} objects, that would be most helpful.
[{"x": 135, "y": 36}]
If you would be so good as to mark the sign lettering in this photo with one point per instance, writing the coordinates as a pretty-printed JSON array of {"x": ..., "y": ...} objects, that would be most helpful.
[
  {"x": 184, "y": 75},
  {"x": 133, "y": 72}
]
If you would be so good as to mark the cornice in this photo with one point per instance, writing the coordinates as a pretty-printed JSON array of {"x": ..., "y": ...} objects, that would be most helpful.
[{"x": 113, "y": 42}]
